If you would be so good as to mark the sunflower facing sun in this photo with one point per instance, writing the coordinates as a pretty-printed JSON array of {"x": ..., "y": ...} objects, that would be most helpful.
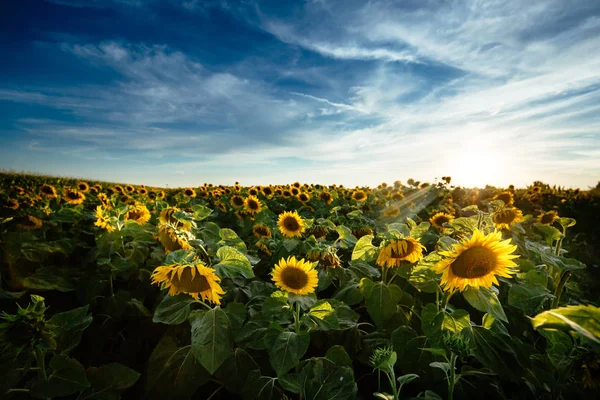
[
  {"x": 196, "y": 280},
  {"x": 295, "y": 276},
  {"x": 290, "y": 224},
  {"x": 477, "y": 262}
]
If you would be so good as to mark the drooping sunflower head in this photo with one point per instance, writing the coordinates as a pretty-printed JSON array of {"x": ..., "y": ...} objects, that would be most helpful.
[
  {"x": 189, "y": 192},
  {"x": 152, "y": 196},
  {"x": 261, "y": 231},
  {"x": 197, "y": 280},
  {"x": 295, "y": 276},
  {"x": 359, "y": 195},
  {"x": 477, "y": 261},
  {"x": 304, "y": 197},
  {"x": 439, "y": 219},
  {"x": 398, "y": 250},
  {"x": 138, "y": 213},
  {"x": 166, "y": 217},
  {"x": 506, "y": 197},
  {"x": 326, "y": 257},
  {"x": 171, "y": 239},
  {"x": 391, "y": 211},
  {"x": 130, "y": 188},
  {"x": 73, "y": 196},
  {"x": 103, "y": 220},
  {"x": 252, "y": 205},
  {"x": 263, "y": 247},
  {"x": 326, "y": 197},
  {"x": 290, "y": 224},
  {"x": 507, "y": 216},
  {"x": 319, "y": 231},
  {"x": 548, "y": 218},
  {"x": 48, "y": 191},
  {"x": 83, "y": 187},
  {"x": 30, "y": 223}
]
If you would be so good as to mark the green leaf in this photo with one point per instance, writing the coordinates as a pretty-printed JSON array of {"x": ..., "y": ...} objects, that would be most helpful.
[
  {"x": 550, "y": 233},
  {"x": 322, "y": 379},
  {"x": 420, "y": 230},
  {"x": 252, "y": 335},
  {"x": 290, "y": 244},
  {"x": 337, "y": 354},
  {"x": 48, "y": 278},
  {"x": 498, "y": 352},
  {"x": 380, "y": 300},
  {"x": 212, "y": 339},
  {"x": 464, "y": 224},
  {"x": 567, "y": 222},
  {"x": 112, "y": 377},
  {"x": 287, "y": 350},
  {"x": 68, "y": 327},
  {"x": 201, "y": 212},
  {"x": 408, "y": 378},
  {"x": 444, "y": 366},
  {"x": 350, "y": 294},
  {"x": 324, "y": 316},
  {"x": 173, "y": 310},
  {"x": 364, "y": 249},
  {"x": 457, "y": 321},
  {"x": 584, "y": 320},
  {"x": 66, "y": 377},
  {"x": 423, "y": 277},
  {"x": 402, "y": 229},
  {"x": 528, "y": 297},
  {"x": 230, "y": 238},
  {"x": 346, "y": 239},
  {"x": 235, "y": 370},
  {"x": 484, "y": 299},
  {"x": 432, "y": 321},
  {"x": 233, "y": 263},
  {"x": 259, "y": 387}
]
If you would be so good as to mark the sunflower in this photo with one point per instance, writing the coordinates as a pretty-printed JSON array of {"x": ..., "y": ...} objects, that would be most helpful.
[
  {"x": 397, "y": 196},
  {"x": 48, "y": 190},
  {"x": 189, "y": 192},
  {"x": 318, "y": 231},
  {"x": 237, "y": 201},
  {"x": 18, "y": 190},
  {"x": 73, "y": 196},
  {"x": 143, "y": 191},
  {"x": 11, "y": 203},
  {"x": 439, "y": 219},
  {"x": 252, "y": 205},
  {"x": 161, "y": 195},
  {"x": 83, "y": 186},
  {"x": 267, "y": 191},
  {"x": 362, "y": 231},
  {"x": 130, "y": 188},
  {"x": 304, "y": 197},
  {"x": 295, "y": 191},
  {"x": 138, "y": 213},
  {"x": 103, "y": 199},
  {"x": 290, "y": 224},
  {"x": 119, "y": 189},
  {"x": 253, "y": 191},
  {"x": 505, "y": 217},
  {"x": 391, "y": 211},
  {"x": 171, "y": 240},
  {"x": 261, "y": 231},
  {"x": 102, "y": 220},
  {"x": 196, "y": 280},
  {"x": 359, "y": 195},
  {"x": 398, "y": 250},
  {"x": 30, "y": 223},
  {"x": 326, "y": 197},
  {"x": 264, "y": 248},
  {"x": 477, "y": 261},
  {"x": 166, "y": 217},
  {"x": 295, "y": 276},
  {"x": 296, "y": 184},
  {"x": 287, "y": 194},
  {"x": 548, "y": 218},
  {"x": 506, "y": 197}
]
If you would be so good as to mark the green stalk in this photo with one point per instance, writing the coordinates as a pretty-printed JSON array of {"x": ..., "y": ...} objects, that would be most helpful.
[
  {"x": 297, "y": 317},
  {"x": 452, "y": 378},
  {"x": 564, "y": 277},
  {"x": 41, "y": 362}
]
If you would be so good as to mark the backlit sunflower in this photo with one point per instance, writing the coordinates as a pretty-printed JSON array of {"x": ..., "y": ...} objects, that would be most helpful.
[
  {"x": 252, "y": 205},
  {"x": 290, "y": 224},
  {"x": 391, "y": 211},
  {"x": 30, "y": 223},
  {"x": 397, "y": 196},
  {"x": 477, "y": 261},
  {"x": 172, "y": 239},
  {"x": 166, "y": 217},
  {"x": 83, "y": 187},
  {"x": 138, "y": 213},
  {"x": 362, "y": 231},
  {"x": 505, "y": 217},
  {"x": 304, "y": 197},
  {"x": 295, "y": 276},
  {"x": 359, "y": 195},
  {"x": 189, "y": 192},
  {"x": 48, "y": 191},
  {"x": 261, "y": 231},
  {"x": 506, "y": 197},
  {"x": 102, "y": 220},
  {"x": 398, "y": 250},
  {"x": 196, "y": 280},
  {"x": 73, "y": 196},
  {"x": 439, "y": 219},
  {"x": 326, "y": 197},
  {"x": 548, "y": 218}
]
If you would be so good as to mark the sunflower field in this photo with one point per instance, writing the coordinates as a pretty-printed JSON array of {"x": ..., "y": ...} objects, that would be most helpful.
[{"x": 300, "y": 291}]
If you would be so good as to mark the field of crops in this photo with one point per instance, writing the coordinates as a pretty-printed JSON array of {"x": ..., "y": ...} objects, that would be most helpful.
[{"x": 299, "y": 291}]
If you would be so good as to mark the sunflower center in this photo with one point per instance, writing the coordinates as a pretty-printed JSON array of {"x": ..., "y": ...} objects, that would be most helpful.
[
  {"x": 402, "y": 249},
  {"x": 186, "y": 283},
  {"x": 442, "y": 219},
  {"x": 547, "y": 219},
  {"x": 505, "y": 217},
  {"x": 294, "y": 278},
  {"x": 72, "y": 195},
  {"x": 253, "y": 205},
  {"x": 262, "y": 230},
  {"x": 474, "y": 263},
  {"x": 135, "y": 215},
  {"x": 238, "y": 201},
  {"x": 291, "y": 224}
]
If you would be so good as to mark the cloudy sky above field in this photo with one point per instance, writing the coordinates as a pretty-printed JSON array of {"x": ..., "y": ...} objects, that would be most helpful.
[{"x": 180, "y": 92}]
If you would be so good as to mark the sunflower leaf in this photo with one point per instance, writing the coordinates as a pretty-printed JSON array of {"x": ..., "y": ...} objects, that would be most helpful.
[
  {"x": 287, "y": 350},
  {"x": 584, "y": 320},
  {"x": 173, "y": 310},
  {"x": 212, "y": 337},
  {"x": 486, "y": 300},
  {"x": 364, "y": 249}
]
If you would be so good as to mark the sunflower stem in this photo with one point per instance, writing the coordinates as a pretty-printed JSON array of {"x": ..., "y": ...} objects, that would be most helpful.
[
  {"x": 40, "y": 358},
  {"x": 215, "y": 392},
  {"x": 297, "y": 317},
  {"x": 564, "y": 277}
]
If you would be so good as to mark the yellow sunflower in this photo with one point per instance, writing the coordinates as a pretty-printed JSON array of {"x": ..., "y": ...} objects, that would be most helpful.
[
  {"x": 237, "y": 201},
  {"x": 252, "y": 205},
  {"x": 130, "y": 188},
  {"x": 398, "y": 250},
  {"x": 83, "y": 187},
  {"x": 196, "y": 280},
  {"x": 391, "y": 211},
  {"x": 30, "y": 223},
  {"x": 138, "y": 213},
  {"x": 505, "y": 217},
  {"x": 548, "y": 218},
  {"x": 296, "y": 184},
  {"x": 253, "y": 191},
  {"x": 11, "y": 203},
  {"x": 267, "y": 191},
  {"x": 102, "y": 220},
  {"x": 261, "y": 231},
  {"x": 143, "y": 191},
  {"x": 295, "y": 191},
  {"x": 103, "y": 199},
  {"x": 264, "y": 248},
  {"x": 166, "y": 217},
  {"x": 304, "y": 197},
  {"x": 161, "y": 195},
  {"x": 290, "y": 224},
  {"x": 295, "y": 276},
  {"x": 506, "y": 197},
  {"x": 171, "y": 240},
  {"x": 359, "y": 195},
  {"x": 119, "y": 189},
  {"x": 73, "y": 196},
  {"x": 326, "y": 197},
  {"x": 439, "y": 219},
  {"x": 189, "y": 192},
  {"x": 48, "y": 190},
  {"x": 477, "y": 261}
]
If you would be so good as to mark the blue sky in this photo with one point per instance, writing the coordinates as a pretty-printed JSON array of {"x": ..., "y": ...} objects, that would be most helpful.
[{"x": 181, "y": 92}]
